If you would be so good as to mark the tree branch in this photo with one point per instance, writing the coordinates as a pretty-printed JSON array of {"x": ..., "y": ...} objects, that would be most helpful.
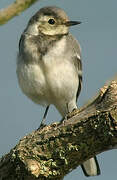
[
  {"x": 14, "y": 9},
  {"x": 57, "y": 149}
]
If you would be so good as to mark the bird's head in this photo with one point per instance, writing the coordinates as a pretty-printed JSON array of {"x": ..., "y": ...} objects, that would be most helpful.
[{"x": 50, "y": 21}]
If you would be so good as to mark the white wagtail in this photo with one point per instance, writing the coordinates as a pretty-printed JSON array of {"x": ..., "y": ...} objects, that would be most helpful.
[{"x": 49, "y": 67}]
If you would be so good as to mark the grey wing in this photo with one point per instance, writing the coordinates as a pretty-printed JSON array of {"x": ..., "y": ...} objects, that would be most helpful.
[
  {"x": 91, "y": 166},
  {"x": 76, "y": 52},
  {"x": 79, "y": 65},
  {"x": 20, "y": 42}
]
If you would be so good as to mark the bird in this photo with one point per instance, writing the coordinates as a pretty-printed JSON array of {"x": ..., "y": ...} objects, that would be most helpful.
[{"x": 49, "y": 67}]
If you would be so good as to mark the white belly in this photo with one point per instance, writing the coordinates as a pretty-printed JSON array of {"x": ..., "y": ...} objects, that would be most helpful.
[
  {"x": 32, "y": 82},
  {"x": 51, "y": 80},
  {"x": 48, "y": 83}
]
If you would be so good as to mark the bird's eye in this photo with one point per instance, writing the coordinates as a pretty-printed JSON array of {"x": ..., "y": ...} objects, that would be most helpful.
[{"x": 51, "y": 21}]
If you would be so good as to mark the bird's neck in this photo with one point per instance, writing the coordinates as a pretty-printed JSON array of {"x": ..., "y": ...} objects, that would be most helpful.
[{"x": 41, "y": 44}]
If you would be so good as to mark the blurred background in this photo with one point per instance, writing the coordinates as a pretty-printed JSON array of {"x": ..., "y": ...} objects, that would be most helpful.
[{"x": 97, "y": 36}]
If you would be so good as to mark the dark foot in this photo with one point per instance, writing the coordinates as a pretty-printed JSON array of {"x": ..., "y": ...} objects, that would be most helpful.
[
  {"x": 64, "y": 119},
  {"x": 69, "y": 115},
  {"x": 73, "y": 113}
]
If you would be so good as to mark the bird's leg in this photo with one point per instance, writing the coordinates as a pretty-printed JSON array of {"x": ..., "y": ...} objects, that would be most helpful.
[
  {"x": 71, "y": 111},
  {"x": 44, "y": 118},
  {"x": 65, "y": 117}
]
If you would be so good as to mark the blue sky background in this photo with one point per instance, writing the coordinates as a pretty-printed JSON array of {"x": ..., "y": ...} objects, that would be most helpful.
[{"x": 97, "y": 36}]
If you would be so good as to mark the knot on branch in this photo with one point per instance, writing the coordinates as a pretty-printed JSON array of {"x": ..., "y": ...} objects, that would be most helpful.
[{"x": 33, "y": 167}]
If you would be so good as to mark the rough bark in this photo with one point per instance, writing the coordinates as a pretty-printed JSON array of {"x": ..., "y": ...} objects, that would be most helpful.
[
  {"x": 57, "y": 149},
  {"x": 14, "y": 10}
]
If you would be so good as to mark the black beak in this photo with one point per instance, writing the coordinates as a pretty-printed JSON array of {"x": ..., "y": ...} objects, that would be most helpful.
[{"x": 72, "y": 23}]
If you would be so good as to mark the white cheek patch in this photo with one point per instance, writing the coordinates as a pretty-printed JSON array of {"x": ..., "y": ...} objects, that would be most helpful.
[{"x": 33, "y": 29}]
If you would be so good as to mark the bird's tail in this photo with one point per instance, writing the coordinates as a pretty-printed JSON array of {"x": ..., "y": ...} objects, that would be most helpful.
[{"x": 91, "y": 167}]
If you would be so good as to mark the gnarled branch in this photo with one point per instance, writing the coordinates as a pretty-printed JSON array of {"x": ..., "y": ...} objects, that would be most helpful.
[{"x": 57, "y": 149}]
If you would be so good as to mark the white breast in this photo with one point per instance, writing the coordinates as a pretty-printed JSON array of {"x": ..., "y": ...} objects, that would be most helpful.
[
  {"x": 54, "y": 80},
  {"x": 32, "y": 82}
]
